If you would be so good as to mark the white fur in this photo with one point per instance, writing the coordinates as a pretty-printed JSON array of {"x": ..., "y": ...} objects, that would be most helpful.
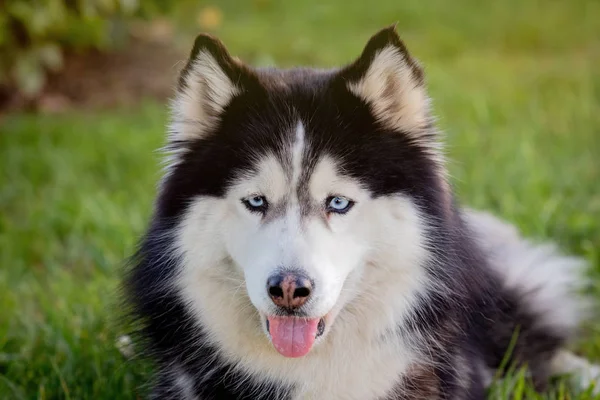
[
  {"x": 548, "y": 281},
  {"x": 185, "y": 384},
  {"x": 182, "y": 387},
  {"x": 298, "y": 147},
  {"x": 367, "y": 259}
]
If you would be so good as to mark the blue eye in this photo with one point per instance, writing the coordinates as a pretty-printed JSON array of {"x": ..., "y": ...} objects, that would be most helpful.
[
  {"x": 338, "y": 204},
  {"x": 256, "y": 203}
]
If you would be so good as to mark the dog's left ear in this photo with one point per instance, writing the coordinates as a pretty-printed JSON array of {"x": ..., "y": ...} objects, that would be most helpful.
[
  {"x": 391, "y": 81},
  {"x": 209, "y": 81}
]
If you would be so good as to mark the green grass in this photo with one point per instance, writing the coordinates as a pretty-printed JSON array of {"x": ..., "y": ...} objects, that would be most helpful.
[{"x": 516, "y": 86}]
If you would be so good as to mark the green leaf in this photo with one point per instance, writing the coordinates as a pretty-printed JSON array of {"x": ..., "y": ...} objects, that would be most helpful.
[
  {"x": 29, "y": 75},
  {"x": 129, "y": 7},
  {"x": 50, "y": 56}
]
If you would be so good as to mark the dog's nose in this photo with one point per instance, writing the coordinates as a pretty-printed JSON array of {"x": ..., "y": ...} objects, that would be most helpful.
[{"x": 289, "y": 289}]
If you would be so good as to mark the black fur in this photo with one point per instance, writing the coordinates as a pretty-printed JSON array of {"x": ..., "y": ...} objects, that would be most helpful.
[{"x": 467, "y": 327}]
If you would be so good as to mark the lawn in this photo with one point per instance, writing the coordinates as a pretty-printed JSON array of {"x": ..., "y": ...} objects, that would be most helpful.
[{"x": 516, "y": 86}]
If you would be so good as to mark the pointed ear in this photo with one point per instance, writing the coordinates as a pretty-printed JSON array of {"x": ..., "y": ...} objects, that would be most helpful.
[
  {"x": 391, "y": 82},
  {"x": 210, "y": 79}
]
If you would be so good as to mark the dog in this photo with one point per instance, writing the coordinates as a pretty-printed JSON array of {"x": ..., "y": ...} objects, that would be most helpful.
[{"x": 306, "y": 244}]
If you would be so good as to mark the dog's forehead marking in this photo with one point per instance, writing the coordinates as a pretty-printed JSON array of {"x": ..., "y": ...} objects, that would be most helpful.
[
  {"x": 302, "y": 169},
  {"x": 298, "y": 149},
  {"x": 299, "y": 197},
  {"x": 287, "y": 203}
]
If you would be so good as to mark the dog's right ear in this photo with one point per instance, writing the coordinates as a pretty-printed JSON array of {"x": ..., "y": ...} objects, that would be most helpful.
[
  {"x": 391, "y": 81},
  {"x": 210, "y": 79}
]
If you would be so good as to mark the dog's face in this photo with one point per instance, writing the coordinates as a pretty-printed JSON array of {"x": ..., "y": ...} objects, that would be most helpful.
[
  {"x": 299, "y": 190},
  {"x": 296, "y": 231}
]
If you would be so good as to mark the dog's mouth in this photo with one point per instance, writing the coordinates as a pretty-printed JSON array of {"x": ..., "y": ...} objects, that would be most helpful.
[{"x": 294, "y": 336}]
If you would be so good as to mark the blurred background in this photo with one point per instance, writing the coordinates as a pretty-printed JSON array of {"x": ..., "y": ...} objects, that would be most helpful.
[{"x": 83, "y": 92}]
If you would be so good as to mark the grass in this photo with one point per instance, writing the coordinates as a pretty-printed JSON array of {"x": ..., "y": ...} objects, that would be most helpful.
[{"x": 516, "y": 86}]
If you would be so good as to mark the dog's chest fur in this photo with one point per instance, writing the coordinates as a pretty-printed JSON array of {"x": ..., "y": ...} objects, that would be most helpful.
[{"x": 358, "y": 372}]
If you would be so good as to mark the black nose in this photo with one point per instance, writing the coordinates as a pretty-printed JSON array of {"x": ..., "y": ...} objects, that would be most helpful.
[{"x": 289, "y": 289}]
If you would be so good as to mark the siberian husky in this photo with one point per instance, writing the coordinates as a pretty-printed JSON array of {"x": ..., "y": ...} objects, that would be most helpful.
[{"x": 306, "y": 244}]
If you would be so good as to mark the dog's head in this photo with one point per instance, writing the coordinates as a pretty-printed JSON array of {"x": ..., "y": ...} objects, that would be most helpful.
[{"x": 295, "y": 192}]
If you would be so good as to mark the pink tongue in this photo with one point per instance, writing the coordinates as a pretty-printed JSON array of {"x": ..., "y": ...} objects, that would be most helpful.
[{"x": 293, "y": 337}]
